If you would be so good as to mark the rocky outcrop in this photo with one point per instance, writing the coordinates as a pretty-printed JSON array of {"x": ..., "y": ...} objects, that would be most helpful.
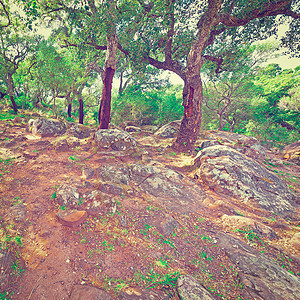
[
  {"x": 176, "y": 191},
  {"x": 169, "y": 130},
  {"x": 292, "y": 153},
  {"x": 114, "y": 139},
  {"x": 46, "y": 127},
  {"x": 189, "y": 288},
  {"x": 225, "y": 170},
  {"x": 262, "y": 276}
]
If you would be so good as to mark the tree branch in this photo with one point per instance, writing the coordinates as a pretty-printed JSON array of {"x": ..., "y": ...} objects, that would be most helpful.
[
  {"x": 7, "y": 14},
  {"x": 219, "y": 61}
]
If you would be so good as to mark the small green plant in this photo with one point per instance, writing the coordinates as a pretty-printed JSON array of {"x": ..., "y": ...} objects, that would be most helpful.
[
  {"x": 250, "y": 236},
  {"x": 53, "y": 195},
  {"x": 4, "y": 296},
  {"x": 74, "y": 158},
  {"x": 165, "y": 241},
  {"x": 162, "y": 263},
  {"x": 206, "y": 256},
  {"x": 63, "y": 207},
  {"x": 154, "y": 280},
  {"x": 146, "y": 230}
]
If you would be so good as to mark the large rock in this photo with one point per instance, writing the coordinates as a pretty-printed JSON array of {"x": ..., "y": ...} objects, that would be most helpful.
[
  {"x": 46, "y": 127},
  {"x": 176, "y": 191},
  {"x": 225, "y": 170},
  {"x": 190, "y": 289},
  {"x": 292, "y": 153},
  {"x": 79, "y": 131},
  {"x": 68, "y": 195},
  {"x": 262, "y": 277},
  {"x": 169, "y": 130},
  {"x": 114, "y": 139}
]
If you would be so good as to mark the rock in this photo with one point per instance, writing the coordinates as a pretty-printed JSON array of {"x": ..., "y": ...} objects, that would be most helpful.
[
  {"x": 88, "y": 173},
  {"x": 67, "y": 195},
  {"x": 80, "y": 292},
  {"x": 71, "y": 218},
  {"x": 46, "y": 127},
  {"x": 169, "y": 130},
  {"x": 230, "y": 137},
  {"x": 190, "y": 289},
  {"x": 174, "y": 190},
  {"x": 114, "y": 174},
  {"x": 239, "y": 222},
  {"x": 65, "y": 144},
  {"x": 132, "y": 129},
  {"x": 149, "y": 128},
  {"x": 6, "y": 263},
  {"x": 111, "y": 189},
  {"x": 225, "y": 170},
  {"x": 18, "y": 212},
  {"x": 262, "y": 276},
  {"x": 142, "y": 294},
  {"x": 30, "y": 155},
  {"x": 295, "y": 240},
  {"x": 79, "y": 131},
  {"x": 168, "y": 225},
  {"x": 114, "y": 139},
  {"x": 292, "y": 153},
  {"x": 256, "y": 152}
]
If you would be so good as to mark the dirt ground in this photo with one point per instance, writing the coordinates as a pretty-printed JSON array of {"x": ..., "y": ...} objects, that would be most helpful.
[{"x": 122, "y": 249}]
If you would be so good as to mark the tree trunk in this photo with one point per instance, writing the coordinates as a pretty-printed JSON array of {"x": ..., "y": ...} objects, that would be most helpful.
[
  {"x": 10, "y": 85},
  {"x": 191, "y": 122},
  {"x": 70, "y": 110},
  {"x": 220, "y": 122},
  {"x": 105, "y": 105},
  {"x": 110, "y": 67},
  {"x": 80, "y": 111}
]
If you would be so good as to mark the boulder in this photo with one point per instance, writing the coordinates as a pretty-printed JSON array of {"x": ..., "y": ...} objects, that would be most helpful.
[
  {"x": 226, "y": 170},
  {"x": 189, "y": 288},
  {"x": 65, "y": 144},
  {"x": 46, "y": 127},
  {"x": 114, "y": 139},
  {"x": 262, "y": 277},
  {"x": 133, "y": 129},
  {"x": 68, "y": 195},
  {"x": 72, "y": 217},
  {"x": 79, "y": 131},
  {"x": 169, "y": 130},
  {"x": 292, "y": 153}
]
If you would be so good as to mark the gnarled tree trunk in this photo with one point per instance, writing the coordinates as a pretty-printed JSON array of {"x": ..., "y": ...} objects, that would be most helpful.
[
  {"x": 10, "y": 85},
  {"x": 110, "y": 67}
]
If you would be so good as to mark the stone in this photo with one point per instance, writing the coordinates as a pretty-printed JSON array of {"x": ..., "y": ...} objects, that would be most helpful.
[
  {"x": 225, "y": 170},
  {"x": 169, "y": 130},
  {"x": 6, "y": 263},
  {"x": 190, "y": 289},
  {"x": 65, "y": 144},
  {"x": 132, "y": 129},
  {"x": 67, "y": 195},
  {"x": 30, "y": 155},
  {"x": 111, "y": 189},
  {"x": 295, "y": 241},
  {"x": 114, "y": 174},
  {"x": 18, "y": 212},
  {"x": 262, "y": 277},
  {"x": 80, "y": 292},
  {"x": 79, "y": 131},
  {"x": 72, "y": 217},
  {"x": 240, "y": 222},
  {"x": 114, "y": 139},
  {"x": 88, "y": 173},
  {"x": 292, "y": 153},
  {"x": 168, "y": 225},
  {"x": 46, "y": 127}
]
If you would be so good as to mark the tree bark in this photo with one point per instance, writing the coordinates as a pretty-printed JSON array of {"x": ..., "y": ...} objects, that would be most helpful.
[
  {"x": 80, "y": 111},
  {"x": 10, "y": 85},
  {"x": 110, "y": 67},
  {"x": 70, "y": 110}
]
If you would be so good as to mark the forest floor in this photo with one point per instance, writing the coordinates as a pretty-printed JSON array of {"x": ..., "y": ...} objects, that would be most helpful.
[{"x": 121, "y": 250}]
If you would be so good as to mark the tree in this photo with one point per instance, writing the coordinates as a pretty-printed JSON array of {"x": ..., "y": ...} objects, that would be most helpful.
[
  {"x": 213, "y": 20},
  {"x": 16, "y": 43}
]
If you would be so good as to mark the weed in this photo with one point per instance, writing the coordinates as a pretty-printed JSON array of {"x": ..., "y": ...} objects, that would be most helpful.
[
  {"x": 74, "y": 158},
  {"x": 165, "y": 241},
  {"x": 206, "y": 256},
  {"x": 162, "y": 263},
  {"x": 5, "y": 296},
  {"x": 146, "y": 230},
  {"x": 250, "y": 236},
  {"x": 53, "y": 195},
  {"x": 63, "y": 207},
  {"x": 154, "y": 279}
]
